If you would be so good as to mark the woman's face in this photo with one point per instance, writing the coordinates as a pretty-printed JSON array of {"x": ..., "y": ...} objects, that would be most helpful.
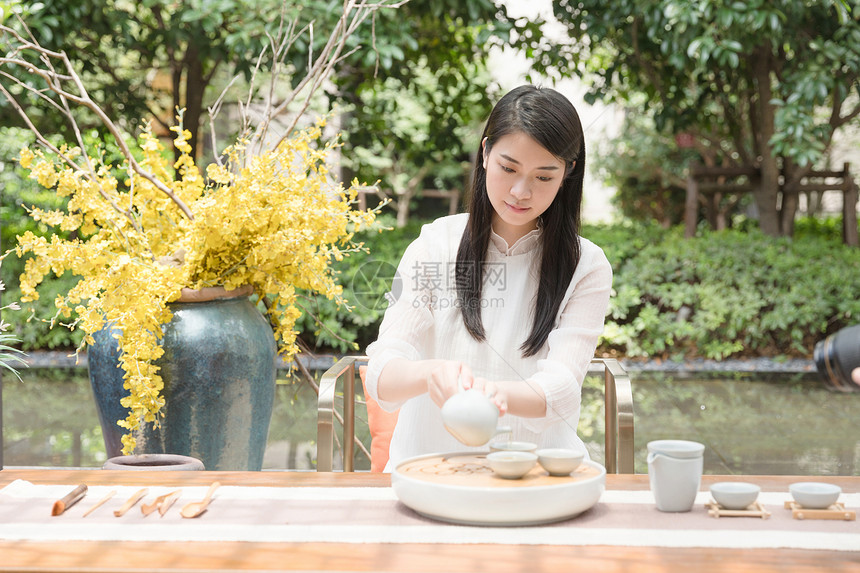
[{"x": 523, "y": 179}]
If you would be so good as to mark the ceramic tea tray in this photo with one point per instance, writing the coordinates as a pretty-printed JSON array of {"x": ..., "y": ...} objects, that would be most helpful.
[{"x": 461, "y": 488}]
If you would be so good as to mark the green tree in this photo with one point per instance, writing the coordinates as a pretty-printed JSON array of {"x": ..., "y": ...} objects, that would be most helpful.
[
  {"x": 762, "y": 82},
  {"x": 142, "y": 60},
  {"x": 415, "y": 94},
  {"x": 416, "y": 136},
  {"x": 646, "y": 168}
]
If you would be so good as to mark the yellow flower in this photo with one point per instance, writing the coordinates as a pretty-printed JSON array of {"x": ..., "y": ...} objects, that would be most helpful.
[
  {"x": 44, "y": 173},
  {"x": 181, "y": 140},
  {"x": 219, "y": 174},
  {"x": 26, "y": 157}
]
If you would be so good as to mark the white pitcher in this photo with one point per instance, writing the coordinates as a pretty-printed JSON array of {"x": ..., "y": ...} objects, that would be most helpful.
[{"x": 675, "y": 473}]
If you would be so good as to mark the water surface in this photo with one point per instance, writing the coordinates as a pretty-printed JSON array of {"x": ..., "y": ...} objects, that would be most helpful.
[{"x": 779, "y": 424}]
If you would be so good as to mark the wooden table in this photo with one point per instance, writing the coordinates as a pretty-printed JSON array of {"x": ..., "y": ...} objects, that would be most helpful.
[{"x": 245, "y": 556}]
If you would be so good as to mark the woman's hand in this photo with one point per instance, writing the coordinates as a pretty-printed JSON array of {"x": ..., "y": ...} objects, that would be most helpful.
[
  {"x": 445, "y": 379},
  {"x": 402, "y": 379},
  {"x": 493, "y": 392}
]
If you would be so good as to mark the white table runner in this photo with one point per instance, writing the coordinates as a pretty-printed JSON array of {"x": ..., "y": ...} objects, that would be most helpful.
[{"x": 374, "y": 515}]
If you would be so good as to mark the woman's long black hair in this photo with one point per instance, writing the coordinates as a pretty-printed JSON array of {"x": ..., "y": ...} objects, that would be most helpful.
[{"x": 550, "y": 119}]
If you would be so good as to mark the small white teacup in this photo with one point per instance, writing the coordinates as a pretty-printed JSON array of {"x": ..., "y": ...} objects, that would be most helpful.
[
  {"x": 815, "y": 495},
  {"x": 735, "y": 494},
  {"x": 559, "y": 461},
  {"x": 511, "y": 465}
]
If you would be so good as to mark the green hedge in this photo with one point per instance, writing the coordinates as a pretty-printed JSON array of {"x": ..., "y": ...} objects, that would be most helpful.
[
  {"x": 727, "y": 293},
  {"x": 722, "y": 294}
]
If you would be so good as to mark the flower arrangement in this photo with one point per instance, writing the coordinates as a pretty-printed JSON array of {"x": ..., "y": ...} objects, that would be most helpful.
[
  {"x": 275, "y": 225},
  {"x": 268, "y": 215}
]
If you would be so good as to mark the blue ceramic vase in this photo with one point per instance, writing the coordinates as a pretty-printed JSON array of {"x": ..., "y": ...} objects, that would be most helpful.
[{"x": 219, "y": 375}]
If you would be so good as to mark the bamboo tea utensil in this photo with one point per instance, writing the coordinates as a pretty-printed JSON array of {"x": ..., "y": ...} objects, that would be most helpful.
[
  {"x": 753, "y": 510},
  {"x": 169, "y": 501},
  {"x": 835, "y": 511},
  {"x": 69, "y": 500},
  {"x": 140, "y": 494},
  {"x": 148, "y": 508},
  {"x": 100, "y": 502},
  {"x": 195, "y": 508}
]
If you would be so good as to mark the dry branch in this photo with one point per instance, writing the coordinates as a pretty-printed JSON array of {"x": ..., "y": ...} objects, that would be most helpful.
[
  {"x": 320, "y": 67},
  {"x": 56, "y": 81}
]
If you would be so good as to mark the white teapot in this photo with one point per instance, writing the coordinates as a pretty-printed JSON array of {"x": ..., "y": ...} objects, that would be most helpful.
[{"x": 471, "y": 417}]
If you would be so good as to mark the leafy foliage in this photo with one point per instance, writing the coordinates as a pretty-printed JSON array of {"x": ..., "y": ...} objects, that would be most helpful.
[
  {"x": 724, "y": 294},
  {"x": 418, "y": 135},
  {"x": 646, "y": 168},
  {"x": 11, "y": 358},
  {"x": 413, "y": 103},
  {"x": 754, "y": 83},
  {"x": 145, "y": 59},
  {"x": 450, "y": 36},
  {"x": 731, "y": 294}
]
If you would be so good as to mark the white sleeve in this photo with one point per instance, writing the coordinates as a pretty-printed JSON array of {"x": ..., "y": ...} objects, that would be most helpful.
[{"x": 572, "y": 343}]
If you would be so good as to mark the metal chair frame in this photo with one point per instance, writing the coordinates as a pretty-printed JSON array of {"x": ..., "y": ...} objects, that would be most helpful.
[{"x": 618, "y": 399}]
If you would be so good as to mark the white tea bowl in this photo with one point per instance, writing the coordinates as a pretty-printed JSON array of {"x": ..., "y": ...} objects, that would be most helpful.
[
  {"x": 559, "y": 461},
  {"x": 511, "y": 465},
  {"x": 735, "y": 494},
  {"x": 512, "y": 446},
  {"x": 815, "y": 495}
]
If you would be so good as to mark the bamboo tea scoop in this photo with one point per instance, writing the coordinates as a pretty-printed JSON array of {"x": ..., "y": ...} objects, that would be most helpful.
[
  {"x": 148, "y": 508},
  {"x": 195, "y": 508},
  {"x": 169, "y": 501},
  {"x": 69, "y": 500},
  {"x": 100, "y": 502},
  {"x": 140, "y": 494}
]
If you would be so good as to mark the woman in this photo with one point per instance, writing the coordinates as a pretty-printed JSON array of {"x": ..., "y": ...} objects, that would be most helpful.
[{"x": 507, "y": 298}]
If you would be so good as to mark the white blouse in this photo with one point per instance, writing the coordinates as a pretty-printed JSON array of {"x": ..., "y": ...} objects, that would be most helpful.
[{"x": 423, "y": 322}]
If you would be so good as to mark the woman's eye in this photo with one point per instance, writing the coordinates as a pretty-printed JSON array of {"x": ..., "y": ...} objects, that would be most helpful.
[
  {"x": 544, "y": 179},
  {"x": 506, "y": 169}
]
